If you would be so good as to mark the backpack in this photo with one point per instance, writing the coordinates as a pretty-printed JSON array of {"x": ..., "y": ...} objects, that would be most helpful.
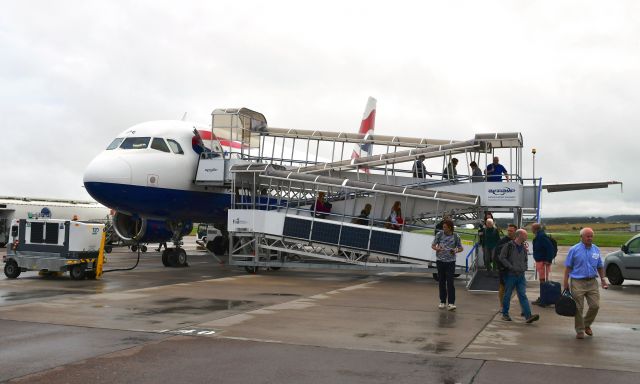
[
  {"x": 496, "y": 254},
  {"x": 554, "y": 242}
]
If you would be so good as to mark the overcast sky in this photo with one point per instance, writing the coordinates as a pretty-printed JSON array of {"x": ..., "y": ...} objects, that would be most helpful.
[{"x": 566, "y": 74}]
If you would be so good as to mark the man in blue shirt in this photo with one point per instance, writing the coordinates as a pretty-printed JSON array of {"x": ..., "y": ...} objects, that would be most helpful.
[
  {"x": 495, "y": 171},
  {"x": 584, "y": 265}
]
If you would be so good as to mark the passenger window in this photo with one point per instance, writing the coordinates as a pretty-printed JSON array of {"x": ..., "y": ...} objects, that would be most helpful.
[
  {"x": 175, "y": 147},
  {"x": 135, "y": 143},
  {"x": 634, "y": 246},
  {"x": 159, "y": 144},
  {"x": 115, "y": 143}
]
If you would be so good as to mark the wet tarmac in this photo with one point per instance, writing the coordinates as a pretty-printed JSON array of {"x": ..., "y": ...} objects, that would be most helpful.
[{"x": 215, "y": 323}]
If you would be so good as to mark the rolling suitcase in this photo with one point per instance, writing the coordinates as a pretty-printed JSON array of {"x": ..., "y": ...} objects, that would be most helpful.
[{"x": 550, "y": 292}]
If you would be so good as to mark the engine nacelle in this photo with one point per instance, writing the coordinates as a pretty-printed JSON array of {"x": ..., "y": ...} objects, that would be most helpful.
[{"x": 139, "y": 229}]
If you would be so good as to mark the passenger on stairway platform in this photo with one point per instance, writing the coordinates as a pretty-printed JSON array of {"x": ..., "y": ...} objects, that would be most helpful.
[
  {"x": 476, "y": 173},
  {"x": 363, "y": 218},
  {"x": 419, "y": 169},
  {"x": 395, "y": 220},
  {"x": 495, "y": 171},
  {"x": 449, "y": 172},
  {"x": 322, "y": 207}
]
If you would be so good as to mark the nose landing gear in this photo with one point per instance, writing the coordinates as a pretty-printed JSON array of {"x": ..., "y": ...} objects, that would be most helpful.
[{"x": 174, "y": 257}]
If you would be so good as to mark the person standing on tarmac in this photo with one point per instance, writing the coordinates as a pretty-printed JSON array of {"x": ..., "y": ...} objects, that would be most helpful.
[
  {"x": 543, "y": 254},
  {"x": 447, "y": 244},
  {"x": 583, "y": 265},
  {"x": 514, "y": 258},
  {"x": 511, "y": 234}
]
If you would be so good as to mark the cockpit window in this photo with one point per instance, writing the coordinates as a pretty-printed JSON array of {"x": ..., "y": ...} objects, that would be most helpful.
[
  {"x": 175, "y": 147},
  {"x": 135, "y": 143},
  {"x": 159, "y": 144},
  {"x": 115, "y": 143}
]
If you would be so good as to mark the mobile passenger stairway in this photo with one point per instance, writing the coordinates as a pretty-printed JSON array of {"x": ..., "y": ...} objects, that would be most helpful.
[
  {"x": 273, "y": 222},
  {"x": 274, "y": 176}
]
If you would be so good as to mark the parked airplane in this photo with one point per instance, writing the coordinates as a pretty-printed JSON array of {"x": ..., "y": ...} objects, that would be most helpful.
[{"x": 147, "y": 173}]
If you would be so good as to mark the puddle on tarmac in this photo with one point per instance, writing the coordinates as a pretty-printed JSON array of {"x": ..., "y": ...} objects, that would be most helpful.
[
  {"x": 34, "y": 294},
  {"x": 188, "y": 306},
  {"x": 437, "y": 347}
]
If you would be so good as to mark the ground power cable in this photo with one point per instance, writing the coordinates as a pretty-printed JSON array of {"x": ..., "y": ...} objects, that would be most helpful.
[{"x": 127, "y": 269}]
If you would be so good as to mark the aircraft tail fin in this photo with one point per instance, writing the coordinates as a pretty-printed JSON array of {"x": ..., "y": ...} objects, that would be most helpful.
[{"x": 367, "y": 126}]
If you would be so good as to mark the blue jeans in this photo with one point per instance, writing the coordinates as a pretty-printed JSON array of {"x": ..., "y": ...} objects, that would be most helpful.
[
  {"x": 446, "y": 271},
  {"x": 520, "y": 284}
]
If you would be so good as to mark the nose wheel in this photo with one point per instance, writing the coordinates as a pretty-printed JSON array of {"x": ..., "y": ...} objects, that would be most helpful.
[{"x": 174, "y": 257}]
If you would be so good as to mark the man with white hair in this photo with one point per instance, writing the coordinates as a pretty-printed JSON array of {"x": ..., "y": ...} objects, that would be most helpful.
[
  {"x": 490, "y": 239},
  {"x": 513, "y": 257},
  {"x": 584, "y": 265}
]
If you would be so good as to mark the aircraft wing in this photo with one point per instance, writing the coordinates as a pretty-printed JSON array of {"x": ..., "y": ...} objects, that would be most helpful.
[{"x": 579, "y": 186}]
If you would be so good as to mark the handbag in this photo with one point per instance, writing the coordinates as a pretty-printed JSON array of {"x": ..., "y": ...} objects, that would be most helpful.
[{"x": 566, "y": 305}]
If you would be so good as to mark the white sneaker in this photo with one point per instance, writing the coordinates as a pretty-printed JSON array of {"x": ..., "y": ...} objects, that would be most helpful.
[
  {"x": 451, "y": 307},
  {"x": 441, "y": 305}
]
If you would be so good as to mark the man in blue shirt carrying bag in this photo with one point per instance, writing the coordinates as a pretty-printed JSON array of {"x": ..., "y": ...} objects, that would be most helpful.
[{"x": 584, "y": 265}]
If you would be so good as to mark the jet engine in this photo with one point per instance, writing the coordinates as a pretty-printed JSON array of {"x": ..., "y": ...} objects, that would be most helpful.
[{"x": 140, "y": 229}]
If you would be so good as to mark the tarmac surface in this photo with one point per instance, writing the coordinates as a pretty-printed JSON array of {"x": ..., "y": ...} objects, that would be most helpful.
[{"x": 215, "y": 323}]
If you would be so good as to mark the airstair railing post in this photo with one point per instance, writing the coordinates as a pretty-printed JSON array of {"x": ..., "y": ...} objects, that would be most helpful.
[
  {"x": 273, "y": 150},
  {"x": 386, "y": 168},
  {"x": 313, "y": 216},
  {"x": 344, "y": 212},
  {"x": 333, "y": 150},
  {"x": 254, "y": 192},
  {"x": 372, "y": 221},
  {"x": 317, "y": 151},
  {"x": 293, "y": 148},
  {"x": 261, "y": 149},
  {"x": 282, "y": 151},
  {"x": 290, "y": 194},
  {"x": 393, "y": 165}
]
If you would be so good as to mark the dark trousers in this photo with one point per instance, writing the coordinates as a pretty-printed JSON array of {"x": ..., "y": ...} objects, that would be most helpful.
[{"x": 445, "y": 278}]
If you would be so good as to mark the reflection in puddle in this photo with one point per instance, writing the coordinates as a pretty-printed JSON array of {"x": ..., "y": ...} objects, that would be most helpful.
[
  {"x": 447, "y": 319},
  {"x": 34, "y": 294},
  {"x": 188, "y": 306}
]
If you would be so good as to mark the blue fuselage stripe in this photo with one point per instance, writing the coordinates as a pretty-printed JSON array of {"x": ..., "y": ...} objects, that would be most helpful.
[{"x": 173, "y": 204}]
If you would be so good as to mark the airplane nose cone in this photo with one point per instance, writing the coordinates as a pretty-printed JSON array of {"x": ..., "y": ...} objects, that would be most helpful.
[{"x": 104, "y": 171}]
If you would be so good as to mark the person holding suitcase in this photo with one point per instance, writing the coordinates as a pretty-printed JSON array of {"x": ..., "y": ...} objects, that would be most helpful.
[{"x": 543, "y": 254}]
